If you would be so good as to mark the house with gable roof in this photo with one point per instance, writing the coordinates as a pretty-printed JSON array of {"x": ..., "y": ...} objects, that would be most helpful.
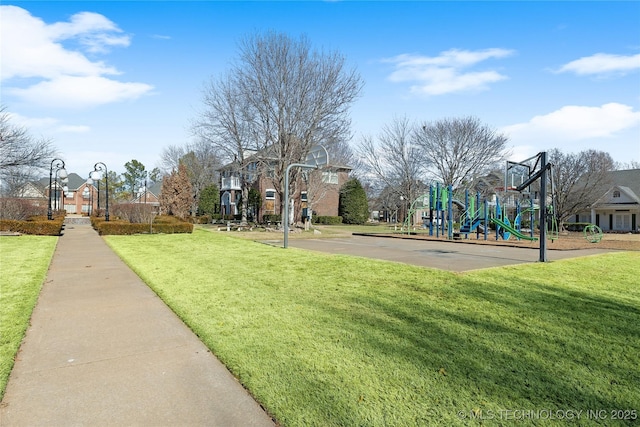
[
  {"x": 618, "y": 209},
  {"x": 76, "y": 200},
  {"x": 150, "y": 195}
]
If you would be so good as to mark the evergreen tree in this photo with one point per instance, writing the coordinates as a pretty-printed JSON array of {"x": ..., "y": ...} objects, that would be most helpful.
[
  {"x": 209, "y": 203},
  {"x": 134, "y": 176},
  {"x": 353, "y": 206}
]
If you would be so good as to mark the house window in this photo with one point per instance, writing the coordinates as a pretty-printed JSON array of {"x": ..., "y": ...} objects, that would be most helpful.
[
  {"x": 251, "y": 171},
  {"x": 270, "y": 194},
  {"x": 616, "y": 194},
  {"x": 303, "y": 196},
  {"x": 330, "y": 177}
]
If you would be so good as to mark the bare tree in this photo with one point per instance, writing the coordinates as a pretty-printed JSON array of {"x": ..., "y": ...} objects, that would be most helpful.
[
  {"x": 460, "y": 149},
  {"x": 631, "y": 164},
  {"x": 170, "y": 158},
  {"x": 21, "y": 155},
  {"x": 579, "y": 179},
  {"x": 226, "y": 125},
  {"x": 279, "y": 100},
  {"x": 395, "y": 162}
]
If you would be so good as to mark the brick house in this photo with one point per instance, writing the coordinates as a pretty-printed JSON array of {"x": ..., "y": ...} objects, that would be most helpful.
[
  {"x": 75, "y": 200},
  {"x": 149, "y": 195},
  {"x": 80, "y": 197},
  {"x": 321, "y": 190}
]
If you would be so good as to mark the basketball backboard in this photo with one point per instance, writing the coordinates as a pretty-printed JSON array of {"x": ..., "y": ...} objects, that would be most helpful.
[{"x": 318, "y": 156}]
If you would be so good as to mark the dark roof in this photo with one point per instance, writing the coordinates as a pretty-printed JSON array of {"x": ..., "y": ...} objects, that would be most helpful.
[
  {"x": 155, "y": 188},
  {"x": 75, "y": 181},
  {"x": 627, "y": 178}
]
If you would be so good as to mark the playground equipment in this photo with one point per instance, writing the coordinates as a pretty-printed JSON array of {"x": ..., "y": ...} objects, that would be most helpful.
[
  {"x": 477, "y": 215},
  {"x": 592, "y": 233}
]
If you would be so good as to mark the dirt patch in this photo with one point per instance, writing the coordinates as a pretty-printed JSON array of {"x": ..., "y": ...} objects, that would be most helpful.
[{"x": 568, "y": 241}]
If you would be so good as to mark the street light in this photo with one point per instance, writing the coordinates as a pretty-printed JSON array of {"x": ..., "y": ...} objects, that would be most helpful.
[
  {"x": 85, "y": 195},
  {"x": 102, "y": 167},
  {"x": 59, "y": 165},
  {"x": 90, "y": 182},
  {"x": 64, "y": 180}
]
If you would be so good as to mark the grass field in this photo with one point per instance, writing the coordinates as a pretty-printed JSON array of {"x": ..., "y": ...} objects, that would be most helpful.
[
  {"x": 324, "y": 340},
  {"x": 24, "y": 262}
]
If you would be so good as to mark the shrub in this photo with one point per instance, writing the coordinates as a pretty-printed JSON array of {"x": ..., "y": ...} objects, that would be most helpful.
[
  {"x": 161, "y": 224},
  {"x": 36, "y": 225},
  {"x": 575, "y": 226},
  {"x": 327, "y": 220},
  {"x": 137, "y": 213},
  {"x": 271, "y": 218},
  {"x": 203, "y": 219},
  {"x": 20, "y": 209}
]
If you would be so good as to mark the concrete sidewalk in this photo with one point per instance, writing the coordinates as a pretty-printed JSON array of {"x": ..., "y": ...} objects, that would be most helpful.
[{"x": 104, "y": 350}]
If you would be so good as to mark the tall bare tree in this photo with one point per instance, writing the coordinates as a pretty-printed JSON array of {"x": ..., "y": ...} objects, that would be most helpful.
[
  {"x": 460, "y": 149},
  {"x": 279, "y": 99},
  {"x": 579, "y": 179},
  {"x": 394, "y": 161},
  {"x": 22, "y": 156}
]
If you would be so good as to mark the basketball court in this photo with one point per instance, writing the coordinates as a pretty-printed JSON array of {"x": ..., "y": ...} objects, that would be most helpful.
[{"x": 452, "y": 256}]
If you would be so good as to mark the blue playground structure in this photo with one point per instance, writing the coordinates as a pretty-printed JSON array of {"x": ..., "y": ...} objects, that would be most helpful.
[
  {"x": 477, "y": 216},
  {"x": 474, "y": 219}
]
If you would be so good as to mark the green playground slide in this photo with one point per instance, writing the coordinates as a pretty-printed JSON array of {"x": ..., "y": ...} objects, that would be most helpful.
[{"x": 512, "y": 230}]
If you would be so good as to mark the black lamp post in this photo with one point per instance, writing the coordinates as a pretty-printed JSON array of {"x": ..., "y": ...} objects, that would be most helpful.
[
  {"x": 59, "y": 165},
  {"x": 90, "y": 183},
  {"x": 102, "y": 167}
]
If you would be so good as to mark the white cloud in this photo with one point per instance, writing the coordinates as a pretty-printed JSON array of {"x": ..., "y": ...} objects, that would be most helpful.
[
  {"x": 447, "y": 72},
  {"x": 93, "y": 30},
  {"x": 46, "y": 125},
  {"x": 602, "y": 63},
  {"x": 576, "y": 123},
  {"x": 612, "y": 127},
  {"x": 32, "y": 50},
  {"x": 80, "y": 92}
]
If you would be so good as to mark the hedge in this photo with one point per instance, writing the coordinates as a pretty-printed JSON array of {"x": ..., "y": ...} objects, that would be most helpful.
[
  {"x": 161, "y": 224},
  {"x": 576, "y": 226},
  {"x": 327, "y": 220},
  {"x": 39, "y": 226},
  {"x": 271, "y": 218}
]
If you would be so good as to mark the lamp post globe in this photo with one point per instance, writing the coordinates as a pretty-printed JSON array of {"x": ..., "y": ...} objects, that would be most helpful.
[
  {"x": 89, "y": 183},
  {"x": 58, "y": 164}
]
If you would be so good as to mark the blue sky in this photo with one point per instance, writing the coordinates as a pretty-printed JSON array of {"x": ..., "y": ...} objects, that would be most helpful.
[{"x": 112, "y": 81}]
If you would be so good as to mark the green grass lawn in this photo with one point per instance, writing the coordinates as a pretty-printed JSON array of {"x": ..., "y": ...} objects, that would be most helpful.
[
  {"x": 324, "y": 340},
  {"x": 24, "y": 261}
]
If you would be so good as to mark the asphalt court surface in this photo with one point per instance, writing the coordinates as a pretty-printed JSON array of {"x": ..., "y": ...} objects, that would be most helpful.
[{"x": 436, "y": 254}]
